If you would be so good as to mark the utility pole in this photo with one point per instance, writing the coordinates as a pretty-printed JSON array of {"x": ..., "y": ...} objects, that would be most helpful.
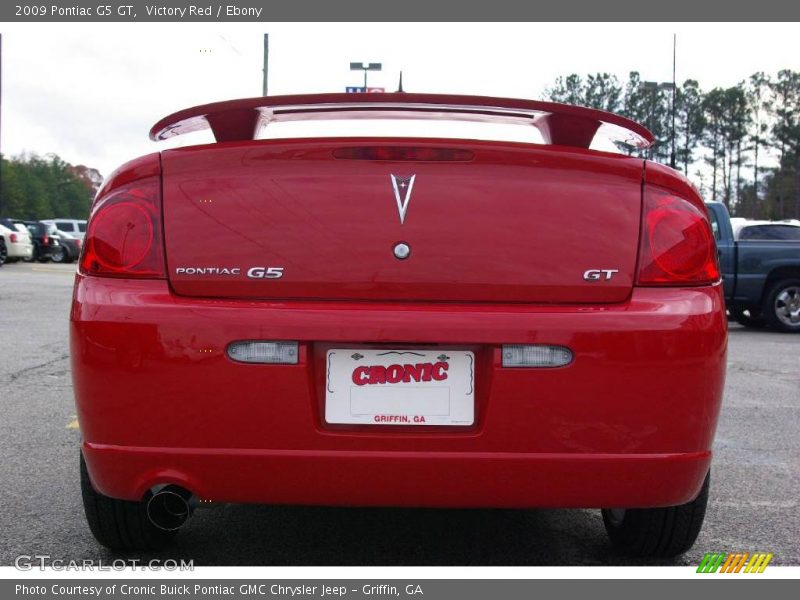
[
  {"x": 653, "y": 98},
  {"x": 674, "y": 95},
  {"x": 266, "y": 64},
  {"x": 1, "y": 118}
]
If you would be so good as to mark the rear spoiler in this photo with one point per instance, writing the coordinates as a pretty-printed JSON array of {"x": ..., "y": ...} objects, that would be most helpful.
[{"x": 561, "y": 124}]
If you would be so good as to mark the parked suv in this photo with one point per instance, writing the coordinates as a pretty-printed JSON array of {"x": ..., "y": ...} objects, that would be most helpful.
[
  {"x": 46, "y": 240},
  {"x": 75, "y": 227}
]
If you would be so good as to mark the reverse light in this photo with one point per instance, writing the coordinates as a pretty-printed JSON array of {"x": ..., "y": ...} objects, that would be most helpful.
[
  {"x": 677, "y": 245},
  {"x": 285, "y": 353},
  {"x": 124, "y": 237},
  {"x": 536, "y": 355}
]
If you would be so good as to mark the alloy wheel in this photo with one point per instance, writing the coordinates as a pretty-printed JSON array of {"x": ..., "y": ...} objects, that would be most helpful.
[{"x": 787, "y": 306}]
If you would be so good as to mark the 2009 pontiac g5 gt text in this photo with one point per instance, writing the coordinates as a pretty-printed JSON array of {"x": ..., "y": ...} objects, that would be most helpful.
[{"x": 398, "y": 322}]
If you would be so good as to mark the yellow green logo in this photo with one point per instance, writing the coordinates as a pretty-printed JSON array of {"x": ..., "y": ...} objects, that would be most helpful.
[{"x": 738, "y": 562}]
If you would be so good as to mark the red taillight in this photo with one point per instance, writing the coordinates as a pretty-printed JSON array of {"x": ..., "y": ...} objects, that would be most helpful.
[
  {"x": 677, "y": 246},
  {"x": 13, "y": 237},
  {"x": 45, "y": 240},
  {"x": 124, "y": 236}
]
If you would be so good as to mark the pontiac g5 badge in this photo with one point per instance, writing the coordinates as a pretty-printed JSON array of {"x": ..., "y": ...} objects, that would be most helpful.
[{"x": 402, "y": 193}]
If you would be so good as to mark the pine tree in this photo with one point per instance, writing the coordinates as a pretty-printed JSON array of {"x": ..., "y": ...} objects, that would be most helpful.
[
  {"x": 759, "y": 102},
  {"x": 690, "y": 122}
]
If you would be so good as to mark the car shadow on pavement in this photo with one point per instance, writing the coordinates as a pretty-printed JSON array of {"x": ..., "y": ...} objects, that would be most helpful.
[
  {"x": 248, "y": 535},
  {"x": 738, "y": 330}
]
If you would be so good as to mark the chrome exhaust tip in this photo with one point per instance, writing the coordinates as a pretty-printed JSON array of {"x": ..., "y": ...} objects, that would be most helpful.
[{"x": 170, "y": 507}]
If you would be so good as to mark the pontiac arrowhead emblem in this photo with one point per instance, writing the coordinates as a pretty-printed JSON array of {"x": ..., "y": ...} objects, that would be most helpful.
[{"x": 402, "y": 193}]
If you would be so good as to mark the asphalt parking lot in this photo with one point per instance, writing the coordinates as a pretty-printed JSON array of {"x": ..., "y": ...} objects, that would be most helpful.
[{"x": 755, "y": 480}]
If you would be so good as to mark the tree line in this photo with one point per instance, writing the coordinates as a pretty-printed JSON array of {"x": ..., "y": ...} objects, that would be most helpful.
[
  {"x": 740, "y": 145},
  {"x": 35, "y": 187}
]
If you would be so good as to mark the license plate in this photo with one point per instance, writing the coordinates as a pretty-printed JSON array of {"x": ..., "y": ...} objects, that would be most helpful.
[{"x": 400, "y": 387}]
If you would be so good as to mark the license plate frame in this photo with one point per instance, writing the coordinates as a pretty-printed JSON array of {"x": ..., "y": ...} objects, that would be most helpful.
[{"x": 405, "y": 387}]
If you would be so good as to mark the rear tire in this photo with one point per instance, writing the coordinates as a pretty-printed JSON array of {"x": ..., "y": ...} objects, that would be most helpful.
[
  {"x": 119, "y": 524},
  {"x": 748, "y": 317},
  {"x": 3, "y": 252},
  {"x": 657, "y": 532},
  {"x": 782, "y": 306},
  {"x": 59, "y": 255}
]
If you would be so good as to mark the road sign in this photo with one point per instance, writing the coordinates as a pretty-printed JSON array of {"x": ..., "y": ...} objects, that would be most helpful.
[{"x": 355, "y": 90}]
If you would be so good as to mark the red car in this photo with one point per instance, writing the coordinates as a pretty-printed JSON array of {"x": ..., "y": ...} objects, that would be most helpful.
[{"x": 398, "y": 322}]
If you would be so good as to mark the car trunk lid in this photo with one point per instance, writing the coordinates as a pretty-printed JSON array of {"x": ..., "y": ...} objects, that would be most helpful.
[{"x": 321, "y": 218}]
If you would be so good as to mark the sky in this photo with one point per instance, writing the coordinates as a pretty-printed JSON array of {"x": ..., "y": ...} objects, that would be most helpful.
[{"x": 91, "y": 92}]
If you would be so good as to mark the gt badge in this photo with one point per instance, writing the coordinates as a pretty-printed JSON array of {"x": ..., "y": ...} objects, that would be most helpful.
[{"x": 599, "y": 274}]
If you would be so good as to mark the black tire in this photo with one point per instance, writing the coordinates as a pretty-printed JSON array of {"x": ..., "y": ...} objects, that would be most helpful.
[
  {"x": 3, "y": 252},
  {"x": 748, "y": 317},
  {"x": 120, "y": 524},
  {"x": 782, "y": 306},
  {"x": 60, "y": 255},
  {"x": 657, "y": 532}
]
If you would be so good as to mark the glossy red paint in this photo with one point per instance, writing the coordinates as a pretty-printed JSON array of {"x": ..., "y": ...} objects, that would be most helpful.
[
  {"x": 501, "y": 235},
  {"x": 542, "y": 216},
  {"x": 134, "y": 170},
  {"x": 629, "y": 422}
]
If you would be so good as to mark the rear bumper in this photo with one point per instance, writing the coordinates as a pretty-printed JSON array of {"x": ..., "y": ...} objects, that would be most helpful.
[
  {"x": 46, "y": 251},
  {"x": 19, "y": 250},
  {"x": 437, "y": 479},
  {"x": 629, "y": 423}
]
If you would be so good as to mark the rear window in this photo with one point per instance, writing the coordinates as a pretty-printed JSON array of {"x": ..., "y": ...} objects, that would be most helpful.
[
  {"x": 407, "y": 128},
  {"x": 65, "y": 226},
  {"x": 770, "y": 232},
  {"x": 714, "y": 224}
]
